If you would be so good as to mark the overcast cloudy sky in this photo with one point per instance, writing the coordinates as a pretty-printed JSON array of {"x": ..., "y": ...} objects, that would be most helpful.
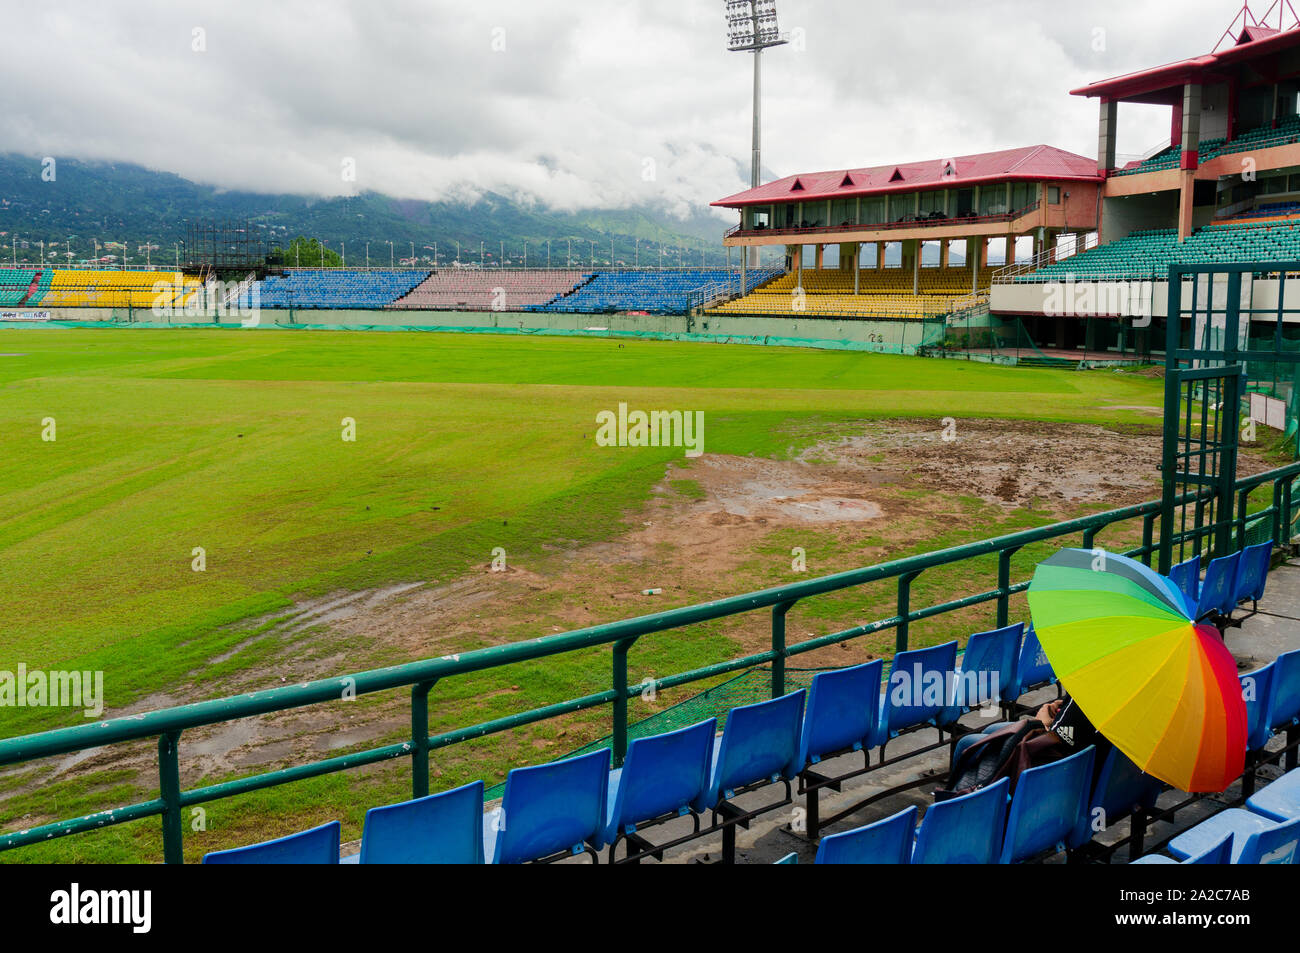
[{"x": 564, "y": 101}]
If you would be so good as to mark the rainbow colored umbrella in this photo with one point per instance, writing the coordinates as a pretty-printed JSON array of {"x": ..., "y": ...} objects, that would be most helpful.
[{"x": 1161, "y": 688}]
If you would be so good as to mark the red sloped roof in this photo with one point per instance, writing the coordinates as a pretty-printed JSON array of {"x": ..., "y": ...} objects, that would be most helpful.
[
  {"x": 1253, "y": 33},
  {"x": 1254, "y": 41},
  {"x": 1035, "y": 163}
]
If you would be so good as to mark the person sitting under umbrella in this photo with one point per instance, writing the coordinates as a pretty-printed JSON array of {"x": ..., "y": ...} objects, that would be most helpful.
[{"x": 1063, "y": 718}]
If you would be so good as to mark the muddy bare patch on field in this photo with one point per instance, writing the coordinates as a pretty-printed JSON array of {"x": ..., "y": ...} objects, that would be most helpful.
[{"x": 1012, "y": 463}]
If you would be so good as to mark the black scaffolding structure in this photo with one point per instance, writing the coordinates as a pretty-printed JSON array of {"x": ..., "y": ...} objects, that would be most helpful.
[{"x": 222, "y": 249}]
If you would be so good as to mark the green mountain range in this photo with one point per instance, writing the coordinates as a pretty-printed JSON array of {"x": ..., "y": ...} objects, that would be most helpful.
[{"x": 89, "y": 209}]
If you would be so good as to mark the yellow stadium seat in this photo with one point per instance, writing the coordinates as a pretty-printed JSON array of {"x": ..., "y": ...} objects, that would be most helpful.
[
  {"x": 76, "y": 288},
  {"x": 882, "y": 293}
]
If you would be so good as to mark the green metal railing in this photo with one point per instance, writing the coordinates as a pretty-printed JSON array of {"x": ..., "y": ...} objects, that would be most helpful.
[{"x": 167, "y": 725}]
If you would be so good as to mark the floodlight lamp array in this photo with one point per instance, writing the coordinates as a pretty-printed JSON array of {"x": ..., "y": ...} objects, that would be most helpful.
[{"x": 752, "y": 25}]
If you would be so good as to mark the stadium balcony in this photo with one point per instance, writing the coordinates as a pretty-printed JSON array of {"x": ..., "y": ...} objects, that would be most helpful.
[
  {"x": 337, "y": 288},
  {"x": 1162, "y": 160},
  {"x": 675, "y": 291},
  {"x": 504, "y": 290},
  {"x": 1287, "y": 132},
  {"x": 936, "y": 220},
  {"x": 1271, "y": 210}
]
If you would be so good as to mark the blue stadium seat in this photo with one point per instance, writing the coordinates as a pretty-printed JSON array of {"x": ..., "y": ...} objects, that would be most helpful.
[
  {"x": 1047, "y": 805},
  {"x": 1280, "y": 800},
  {"x": 336, "y": 288},
  {"x": 791, "y": 858},
  {"x": 884, "y": 842},
  {"x": 840, "y": 718},
  {"x": 1032, "y": 669},
  {"x": 444, "y": 828},
  {"x": 1284, "y": 707},
  {"x": 1284, "y": 703},
  {"x": 1121, "y": 790},
  {"x": 1220, "y": 853},
  {"x": 1256, "y": 839},
  {"x": 917, "y": 692},
  {"x": 1218, "y": 588},
  {"x": 1187, "y": 577},
  {"x": 1252, "y": 573},
  {"x": 758, "y": 746},
  {"x": 966, "y": 829},
  {"x": 841, "y": 714},
  {"x": 320, "y": 845},
  {"x": 1257, "y": 691},
  {"x": 986, "y": 671},
  {"x": 548, "y": 810},
  {"x": 661, "y": 778},
  {"x": 654, "y": 292}
]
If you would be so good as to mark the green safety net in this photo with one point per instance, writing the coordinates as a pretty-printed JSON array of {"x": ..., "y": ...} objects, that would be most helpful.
[
  {"x": 752, "y": 685},
  {"x": 978, "y": 335},
  {"x": 914, "y": 338},
  {"x": 1269, "y": 347},
  {"x": 1275, "y": 377}
]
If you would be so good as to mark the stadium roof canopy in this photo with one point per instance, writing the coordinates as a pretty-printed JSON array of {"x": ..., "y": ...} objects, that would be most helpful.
[
  {"x": 1258, "y": 49},
  {"x": 1031, "y": 163}
]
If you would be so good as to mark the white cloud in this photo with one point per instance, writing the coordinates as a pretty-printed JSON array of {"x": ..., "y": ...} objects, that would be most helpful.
[{"x": 575, "y": 97}]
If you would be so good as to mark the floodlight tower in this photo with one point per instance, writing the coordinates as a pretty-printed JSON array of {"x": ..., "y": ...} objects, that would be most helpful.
[{"x": 752, "y": 28}]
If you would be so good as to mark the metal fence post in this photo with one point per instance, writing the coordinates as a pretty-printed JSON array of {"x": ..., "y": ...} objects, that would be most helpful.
[
  {"x": 1169, "y": 440},
  {"x": 1004, "y": 585},
  {"x": 778, "y": 647},
  {"x": 420, "y": 738},
  {"x": 1278, "y": 517},
  {"x": 904, "y": 609},
  {"x": 1243, "y": 501},
  {"x": 1287, "y": 514},
  {"x": 169, "y": 788},
  {"x": 620, "y": 699},
  {"x": 1230, "y": 433}
]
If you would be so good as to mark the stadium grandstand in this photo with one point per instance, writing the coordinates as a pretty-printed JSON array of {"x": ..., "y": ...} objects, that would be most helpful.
[
  {"x": 830, "y": 292},
  {"x": 337, "y": 288},
  {"x": 653, "y": 292},
  {"x": 1148, "y": 253},
  {"x": 94, "y": 288},
  {"x": 476, "y": 290},
  {"x": 668, "y": 291},
  {"x": 936, "y": 219},
  {"x": 16, "y": 285},
  {"x": 1223, "y": 187}
]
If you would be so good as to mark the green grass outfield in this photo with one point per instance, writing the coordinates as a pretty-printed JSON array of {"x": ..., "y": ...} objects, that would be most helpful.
[{"x": 232, "y": 441}]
